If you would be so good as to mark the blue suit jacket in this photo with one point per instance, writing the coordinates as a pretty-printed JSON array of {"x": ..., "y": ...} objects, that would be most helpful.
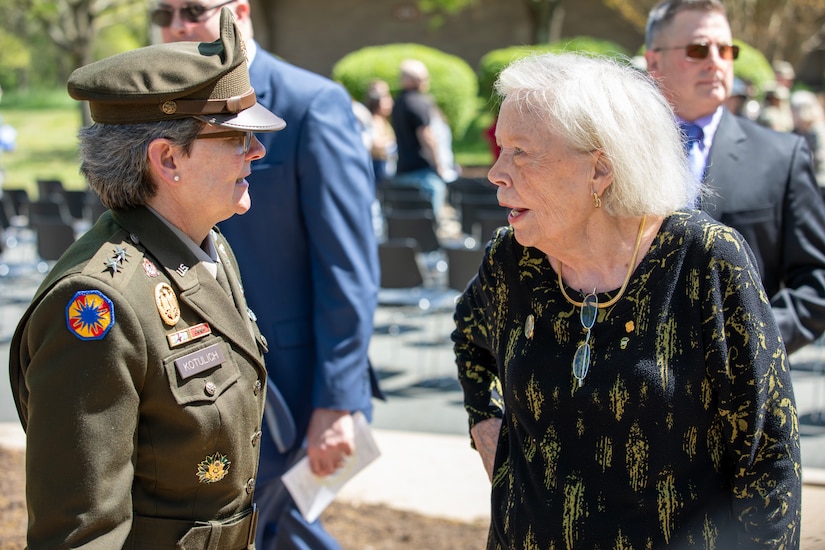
[
  {"x": 306, "y": 248},
  {"x": 762, "y": 184}
]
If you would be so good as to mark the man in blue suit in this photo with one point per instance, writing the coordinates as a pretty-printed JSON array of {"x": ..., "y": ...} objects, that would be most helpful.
[
  {"x": 308, "y": 255},
  {"x": 758, "y": 181}
]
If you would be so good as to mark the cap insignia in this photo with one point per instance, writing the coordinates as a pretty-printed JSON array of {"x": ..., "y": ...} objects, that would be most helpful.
[
  {"x": 167, "y": 304},
  {"x": 90, "y": 314},
  {"x": 213, "y": 468},
  {"x": 169, "y": 107}
]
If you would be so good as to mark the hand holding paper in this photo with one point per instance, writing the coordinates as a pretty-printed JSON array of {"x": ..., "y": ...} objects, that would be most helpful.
[{"x": 313, "y": 494}]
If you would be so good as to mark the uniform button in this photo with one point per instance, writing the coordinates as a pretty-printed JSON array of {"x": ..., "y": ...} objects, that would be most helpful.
[
  {"x": 210, "y": 388},
  {"x": 250, "y": 485},
  {"x": 134, "y": 238},
  {"x": 257, "y": 388},
  {"x": 256, "y": 438}
]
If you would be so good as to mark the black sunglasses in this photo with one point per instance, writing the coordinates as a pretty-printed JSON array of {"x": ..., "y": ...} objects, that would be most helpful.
[
  {"x": 701, "y": 50},
  {"x": 162, "y": 16}
]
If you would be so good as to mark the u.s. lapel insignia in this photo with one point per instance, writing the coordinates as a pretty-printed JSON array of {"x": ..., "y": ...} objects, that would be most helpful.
[
  {"x": 167, "y": 304},
  {"x": 213, "y": 468},
  {"x": 150, "y": 268},
  {"x": 90, "y": 314},
  {"x": 182, "y": 269}
]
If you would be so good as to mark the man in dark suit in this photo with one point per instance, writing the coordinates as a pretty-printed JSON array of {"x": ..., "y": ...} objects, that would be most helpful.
[
  {"x": 756, "y": 180},
  {"x": 309, "y": 258}
]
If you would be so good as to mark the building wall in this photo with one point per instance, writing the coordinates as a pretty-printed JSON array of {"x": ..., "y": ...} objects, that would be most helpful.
[{"x": 315, "y": 34}]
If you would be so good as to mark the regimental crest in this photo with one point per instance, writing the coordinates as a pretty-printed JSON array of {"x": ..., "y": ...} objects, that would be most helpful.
[
  {"x": 150, "y": 268},
  {"x": 90, "y": 315},
  {"x": 167, "y": 304},
  {"x": 213, "y": 468}
]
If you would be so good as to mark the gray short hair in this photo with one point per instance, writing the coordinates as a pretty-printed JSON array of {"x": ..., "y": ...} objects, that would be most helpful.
[
  {"x": 662, "y": 14},
  {"x": 595, "y": 103},
  {"x": 115, "y": 162}
]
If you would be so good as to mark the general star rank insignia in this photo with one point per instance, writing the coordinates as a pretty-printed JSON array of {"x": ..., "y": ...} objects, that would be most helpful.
[
  {"x": 167, "y": 304},
  {"x": 90, "y": 314},
  {"x": 213, "y": 468}
]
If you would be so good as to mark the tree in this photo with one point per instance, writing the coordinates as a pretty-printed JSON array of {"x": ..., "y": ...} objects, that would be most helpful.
[
  {"x": 545, "y": 16},
  {"x": 74, "y": 25},
  {"x": 788, "y": 30}
]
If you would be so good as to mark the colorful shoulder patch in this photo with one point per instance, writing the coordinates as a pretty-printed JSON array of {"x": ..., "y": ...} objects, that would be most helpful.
[{"x": 90, "y": 315}]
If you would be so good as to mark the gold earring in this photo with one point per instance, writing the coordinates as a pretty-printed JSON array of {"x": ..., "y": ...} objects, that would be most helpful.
[{"x": 597, "y": 202}]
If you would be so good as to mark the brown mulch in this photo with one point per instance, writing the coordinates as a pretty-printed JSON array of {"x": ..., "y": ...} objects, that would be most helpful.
[{"x": 357, "y": 527}]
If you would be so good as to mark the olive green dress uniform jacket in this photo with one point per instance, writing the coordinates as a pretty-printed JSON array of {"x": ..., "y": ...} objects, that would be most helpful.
[{"x": 146, "y": 433}]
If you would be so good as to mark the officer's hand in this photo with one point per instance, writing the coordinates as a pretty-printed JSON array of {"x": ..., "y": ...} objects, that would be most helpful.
[{"x": 330, "y": 439}]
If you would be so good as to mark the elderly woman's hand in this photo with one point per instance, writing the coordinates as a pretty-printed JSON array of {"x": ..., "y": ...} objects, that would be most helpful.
[{"x": 485, "y": 437}]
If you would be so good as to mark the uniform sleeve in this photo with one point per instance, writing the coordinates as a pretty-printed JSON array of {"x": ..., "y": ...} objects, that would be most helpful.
[
  {"x": 82, "y": 411},
  {"x": 754, "y": 399},
  {"x": 337, "y": 195},
  {"x": 799, "y": 306},
  {"x": 473, "y": 345}
]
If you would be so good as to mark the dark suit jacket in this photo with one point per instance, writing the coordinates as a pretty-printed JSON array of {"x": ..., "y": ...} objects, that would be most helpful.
[
  {"x": 762, "y": 183},
  {"x": 306, "y": 248}
]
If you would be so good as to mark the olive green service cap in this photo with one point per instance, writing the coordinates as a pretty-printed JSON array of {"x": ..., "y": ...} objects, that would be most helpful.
[{"x": 204, "y": 80}]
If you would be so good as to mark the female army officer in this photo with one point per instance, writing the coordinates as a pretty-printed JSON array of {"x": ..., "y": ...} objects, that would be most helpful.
[{"x": 138, "y": 370}]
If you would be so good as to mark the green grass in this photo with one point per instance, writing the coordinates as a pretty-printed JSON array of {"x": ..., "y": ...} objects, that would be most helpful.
[
  {"x": 46, "y": 142},
  {"x": 47, "y": 125}
]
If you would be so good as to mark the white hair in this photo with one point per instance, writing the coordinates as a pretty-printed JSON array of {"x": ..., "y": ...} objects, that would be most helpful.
[{"x": 595, "y": 103}]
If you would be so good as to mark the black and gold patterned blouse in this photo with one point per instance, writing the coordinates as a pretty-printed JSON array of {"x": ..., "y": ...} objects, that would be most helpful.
[{"x": 684, "y": 434}]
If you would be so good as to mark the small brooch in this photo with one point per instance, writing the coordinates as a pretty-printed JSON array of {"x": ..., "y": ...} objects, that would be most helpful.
[{"x": 529, "y": 326}]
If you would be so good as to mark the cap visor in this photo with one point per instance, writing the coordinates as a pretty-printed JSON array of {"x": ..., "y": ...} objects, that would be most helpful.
[{"x": 255, "y": 119}]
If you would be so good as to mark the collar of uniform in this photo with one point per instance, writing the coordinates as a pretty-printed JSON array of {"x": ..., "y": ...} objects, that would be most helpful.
[
  {"x": 206, "y": 253},
  {"x": 173, "y": 254}
]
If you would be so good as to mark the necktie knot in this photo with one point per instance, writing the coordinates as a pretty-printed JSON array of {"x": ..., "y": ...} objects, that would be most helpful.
[{"x": 693, "y": 133}]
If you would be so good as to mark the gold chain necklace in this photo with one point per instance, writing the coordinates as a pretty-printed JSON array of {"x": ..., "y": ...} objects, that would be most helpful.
[{"x": 626, "y": 279}]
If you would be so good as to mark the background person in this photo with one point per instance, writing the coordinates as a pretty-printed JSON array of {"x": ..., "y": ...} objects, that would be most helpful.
[
  {"x": 310, "y": 262},
  {"x": 384, "y": 151},
  {"x": 419, "y": 155},
  {"x": 136, "y": 374},
  {"x": 645, "y": 395},
  {"x": 758, "y": 181},
  {"x": 809, "y": 122}
]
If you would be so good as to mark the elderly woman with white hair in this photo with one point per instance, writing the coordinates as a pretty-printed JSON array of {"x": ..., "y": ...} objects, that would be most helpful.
[{"x": 625, "y": 380}]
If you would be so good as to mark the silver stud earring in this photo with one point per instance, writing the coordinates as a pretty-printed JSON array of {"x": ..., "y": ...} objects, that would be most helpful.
[{"x": 176, "y": 178}]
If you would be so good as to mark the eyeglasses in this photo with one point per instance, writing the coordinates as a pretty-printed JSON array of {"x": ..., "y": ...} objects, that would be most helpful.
[
  {"x": 701, "y": 50},
  {"x": 581, "y": 360},
  {"x": 162, "y": 16},
  {"x": 247, "y": 137}
]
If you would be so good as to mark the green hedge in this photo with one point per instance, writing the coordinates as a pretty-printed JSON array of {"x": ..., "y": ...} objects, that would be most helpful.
[
  {"x": 494, "y": 61},
  {"x": 453, "y": 82},
  {"x": 752, "y": 66}
]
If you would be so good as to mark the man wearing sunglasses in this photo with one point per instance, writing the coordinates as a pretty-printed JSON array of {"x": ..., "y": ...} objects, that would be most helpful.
[
  {"x": 309, "y": 258},
  {"x": 756, "y": 180}
]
